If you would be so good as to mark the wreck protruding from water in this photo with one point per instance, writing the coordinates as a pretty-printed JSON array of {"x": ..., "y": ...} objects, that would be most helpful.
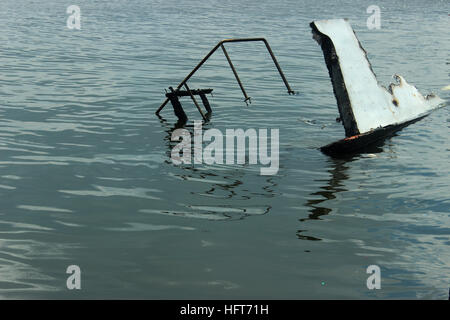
[{"x": 368, "y": 110}]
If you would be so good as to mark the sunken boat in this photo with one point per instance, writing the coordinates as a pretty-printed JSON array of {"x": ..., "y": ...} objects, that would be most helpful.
[{"x": 369, "y": 111}]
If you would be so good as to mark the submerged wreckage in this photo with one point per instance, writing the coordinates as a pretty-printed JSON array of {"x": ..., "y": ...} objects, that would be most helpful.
[{"x": 368, "y": 111}]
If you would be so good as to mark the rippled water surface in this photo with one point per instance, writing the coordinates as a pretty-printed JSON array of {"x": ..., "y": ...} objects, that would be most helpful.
[{"x": 86, "y": 176}]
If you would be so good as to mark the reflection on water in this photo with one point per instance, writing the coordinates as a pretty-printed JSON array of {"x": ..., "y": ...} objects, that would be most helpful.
[
  {"x": 338, "y": 168},
  {"x": 328, "y": 192},
  {"x": 19, "y": 255},
  {"x": 221, "y": 182}
]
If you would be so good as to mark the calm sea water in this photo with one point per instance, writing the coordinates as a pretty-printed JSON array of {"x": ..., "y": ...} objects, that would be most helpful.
[{"x": 86, "y": 177}]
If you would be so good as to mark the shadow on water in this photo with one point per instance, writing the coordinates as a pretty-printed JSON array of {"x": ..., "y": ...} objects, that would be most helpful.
[
  {"x": 333, "y": 185},
  {"x": 169, "y": 129},
  {"x": 336, "y": 183},
  {"x": 223, "y": 183}
]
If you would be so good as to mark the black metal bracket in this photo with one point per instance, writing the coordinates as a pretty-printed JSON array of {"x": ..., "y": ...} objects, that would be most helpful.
[{"x": 178, "y": 109}]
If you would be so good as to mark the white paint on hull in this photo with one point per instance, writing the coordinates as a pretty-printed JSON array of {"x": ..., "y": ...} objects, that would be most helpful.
[{"x": 373, "y": 105}]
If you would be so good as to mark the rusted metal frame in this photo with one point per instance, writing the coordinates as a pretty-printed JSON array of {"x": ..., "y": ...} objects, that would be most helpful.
[
  {"x": 290, "y": 91},
  {"x": 205, "y": 102},
  {"x": 184, "y": 93},
  {"x": 195, "y": 101},
  {"x": 247, "y": 98}
]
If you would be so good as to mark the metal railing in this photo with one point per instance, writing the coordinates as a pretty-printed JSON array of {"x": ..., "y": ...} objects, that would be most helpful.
[{"x": 221, "y": 45}]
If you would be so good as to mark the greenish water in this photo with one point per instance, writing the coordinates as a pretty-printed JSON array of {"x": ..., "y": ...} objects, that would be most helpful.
[{"x": 86, "y": 177}]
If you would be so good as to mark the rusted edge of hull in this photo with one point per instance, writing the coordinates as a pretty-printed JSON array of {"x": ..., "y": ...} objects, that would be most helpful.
[
  {"x": 337, "y": 79},
  {"x": 358, "y": 143}
]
